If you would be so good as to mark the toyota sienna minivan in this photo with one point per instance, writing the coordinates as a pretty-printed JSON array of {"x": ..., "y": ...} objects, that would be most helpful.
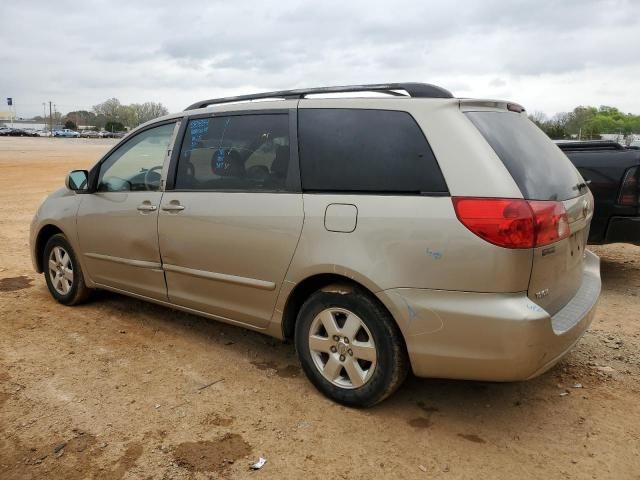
[{"x": 380, "y": 233}]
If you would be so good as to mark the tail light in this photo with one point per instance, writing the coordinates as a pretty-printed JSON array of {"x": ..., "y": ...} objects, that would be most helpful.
[
  {"x": 630, "y": 190},
  {"x": 512, "y": 222}
]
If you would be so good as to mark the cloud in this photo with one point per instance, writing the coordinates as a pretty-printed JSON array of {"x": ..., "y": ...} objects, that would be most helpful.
[{"x": 545, "y": 54}]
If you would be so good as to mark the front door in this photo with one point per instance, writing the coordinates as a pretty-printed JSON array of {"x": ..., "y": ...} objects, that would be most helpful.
[
  {"x": 118, "y": 224},
  {"x": 229, "y": 228}
]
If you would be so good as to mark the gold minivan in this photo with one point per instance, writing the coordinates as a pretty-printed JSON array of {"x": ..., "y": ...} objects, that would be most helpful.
[{"x": 380, "y": 233}]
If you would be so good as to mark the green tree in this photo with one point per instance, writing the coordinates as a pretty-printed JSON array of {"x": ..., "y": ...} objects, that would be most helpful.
[
  {"x": 100, "y": 121},
  {"x": 579, "y": 119},
  {"x": 539, "y": 118},
  {"x": 113, "y": 126},
  {"x": 127, "y": 116},
  {"x": 147, "y": 111},
  {"x": 588, "y": 122},
  {"x": 70, "y": 124},
  {"x": 108, "y": 108},
  {"x": 82, "y": 117},
  {"x": 555, "y": 128},
  {"x": 131, "y": 116}
]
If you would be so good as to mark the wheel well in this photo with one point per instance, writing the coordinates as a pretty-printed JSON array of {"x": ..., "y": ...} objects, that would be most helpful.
[
  {"x": 302, "y": 291},
  {"x": 44, "y": 235}
]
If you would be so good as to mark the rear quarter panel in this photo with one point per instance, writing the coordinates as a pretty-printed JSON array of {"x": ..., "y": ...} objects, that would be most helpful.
[{"x": 405, "y": 241}]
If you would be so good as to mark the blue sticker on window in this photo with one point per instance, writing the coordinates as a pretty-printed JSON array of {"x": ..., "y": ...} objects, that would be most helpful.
[
  {"x": 198, "y": 129},
  {"x": 220, "y": 159}
]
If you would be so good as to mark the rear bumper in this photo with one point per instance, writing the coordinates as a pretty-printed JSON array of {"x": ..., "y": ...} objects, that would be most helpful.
[
  {"x": 623, "y": 229},
  {"x": 490, "y": 336}
]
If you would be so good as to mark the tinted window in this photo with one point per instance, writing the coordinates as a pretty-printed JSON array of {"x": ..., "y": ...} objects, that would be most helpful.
[
  {"x": 137, "y": 164},
  {"x": 365, "y": 151},
  {"x": 538, "y": 166},
  {"x": 242, "y": 152}
]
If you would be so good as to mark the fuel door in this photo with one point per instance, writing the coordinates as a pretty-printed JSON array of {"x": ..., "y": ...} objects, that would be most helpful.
[{"x": 341, "y": 217}]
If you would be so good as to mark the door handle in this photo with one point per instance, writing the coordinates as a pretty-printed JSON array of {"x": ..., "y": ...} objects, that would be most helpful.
[
  {"x": 147, "y": 207},
  {"x": 173, "y": 207}
]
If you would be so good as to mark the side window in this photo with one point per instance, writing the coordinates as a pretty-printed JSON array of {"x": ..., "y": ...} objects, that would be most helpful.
[
  {"x": 375, "y": 151},
  {"x": 241, "y": 152},
  {"x": 137, "y": 164}
]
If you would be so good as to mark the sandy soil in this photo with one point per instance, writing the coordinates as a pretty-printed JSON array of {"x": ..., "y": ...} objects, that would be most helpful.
[{"x": 119, "y": 388}]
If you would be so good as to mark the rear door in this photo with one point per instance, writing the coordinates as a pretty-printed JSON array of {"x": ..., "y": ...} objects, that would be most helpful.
[
  {"x": 230, "y": 225},
  {"x": 543, "y": 172}
]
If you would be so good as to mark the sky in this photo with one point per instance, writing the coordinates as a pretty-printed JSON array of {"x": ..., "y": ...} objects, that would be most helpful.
[{"x": 549, "y": 56}]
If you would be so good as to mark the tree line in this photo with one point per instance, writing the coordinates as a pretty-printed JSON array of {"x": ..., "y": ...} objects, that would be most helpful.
[
  {"x": 110, "y": 115},
  {"x": 587, "y": 122}
]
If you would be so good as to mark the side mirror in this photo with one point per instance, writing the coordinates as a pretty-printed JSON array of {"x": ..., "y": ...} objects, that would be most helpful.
[{"x": 77, "y": 180}]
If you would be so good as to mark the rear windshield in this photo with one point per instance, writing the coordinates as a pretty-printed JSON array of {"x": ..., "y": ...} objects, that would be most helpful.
[{"x": 538, "y": 166}]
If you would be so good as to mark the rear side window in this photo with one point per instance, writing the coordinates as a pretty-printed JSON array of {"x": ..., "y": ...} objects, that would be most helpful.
[
  {"x": 538, "y": 166},
  {"x": 241, "y": 152},
  {"x": 375, "y": 151}
]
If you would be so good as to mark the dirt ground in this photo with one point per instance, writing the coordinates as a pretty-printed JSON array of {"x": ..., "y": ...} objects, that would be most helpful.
[{"x": 121, "y": 389}]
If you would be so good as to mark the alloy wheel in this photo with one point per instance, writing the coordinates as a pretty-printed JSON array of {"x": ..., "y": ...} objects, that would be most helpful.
[
  {"x": 342, "y": 348},
  {"x": 60, "y": 270}
]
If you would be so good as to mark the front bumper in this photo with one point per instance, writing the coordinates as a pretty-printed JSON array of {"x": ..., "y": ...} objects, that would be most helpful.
[
  {"x": 490, "y": 336},
  {"x": 623, "y": 229}
]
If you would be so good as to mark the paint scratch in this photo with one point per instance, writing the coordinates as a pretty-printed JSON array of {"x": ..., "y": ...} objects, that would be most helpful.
[
  {"x": 435, "y": 254},
  {"x": 533, "y": 307}
]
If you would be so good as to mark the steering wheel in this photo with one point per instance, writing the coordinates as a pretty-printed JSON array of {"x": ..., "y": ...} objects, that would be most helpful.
[{"x": 148, "y": 184}]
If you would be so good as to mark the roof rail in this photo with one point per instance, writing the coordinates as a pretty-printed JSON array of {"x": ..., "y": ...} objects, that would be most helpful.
[
  {"x": 589, "y": 145},
  {"x": 415, "y": 90}
]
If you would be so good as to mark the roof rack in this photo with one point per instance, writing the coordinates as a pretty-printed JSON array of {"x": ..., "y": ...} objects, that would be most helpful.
[
  {"x": 414, "y": 90},
  {"x": 589, "y": 145}
]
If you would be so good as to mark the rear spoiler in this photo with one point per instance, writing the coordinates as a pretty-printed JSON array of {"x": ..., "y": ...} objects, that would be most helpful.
[{"x": 470, "y": 105}]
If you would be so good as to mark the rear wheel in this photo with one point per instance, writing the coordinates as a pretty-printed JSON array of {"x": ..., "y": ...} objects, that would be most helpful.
[
  {"x": 350, "y": 347},
  {"x": 63, "y": 273}
]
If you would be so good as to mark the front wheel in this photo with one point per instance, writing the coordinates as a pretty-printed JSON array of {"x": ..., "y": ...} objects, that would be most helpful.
[
  {"x": 63, "y": 272},
  {"x": 350, "y": 347}
]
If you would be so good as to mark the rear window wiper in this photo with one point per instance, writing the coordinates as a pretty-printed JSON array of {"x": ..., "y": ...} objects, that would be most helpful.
[{"x": 580, "y": 186}]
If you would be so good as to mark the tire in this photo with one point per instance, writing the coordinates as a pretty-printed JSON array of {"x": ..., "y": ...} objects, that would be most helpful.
[
  {"x": 64, "y": 275},
  {"x": 332, "y": 365}
]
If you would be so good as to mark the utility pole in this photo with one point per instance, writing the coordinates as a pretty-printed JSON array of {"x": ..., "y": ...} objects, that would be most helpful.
[{"x": 50, "y": 119}]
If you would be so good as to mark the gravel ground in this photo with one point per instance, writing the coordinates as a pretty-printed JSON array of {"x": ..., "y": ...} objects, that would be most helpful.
[{"x": 118, "y": 388}]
